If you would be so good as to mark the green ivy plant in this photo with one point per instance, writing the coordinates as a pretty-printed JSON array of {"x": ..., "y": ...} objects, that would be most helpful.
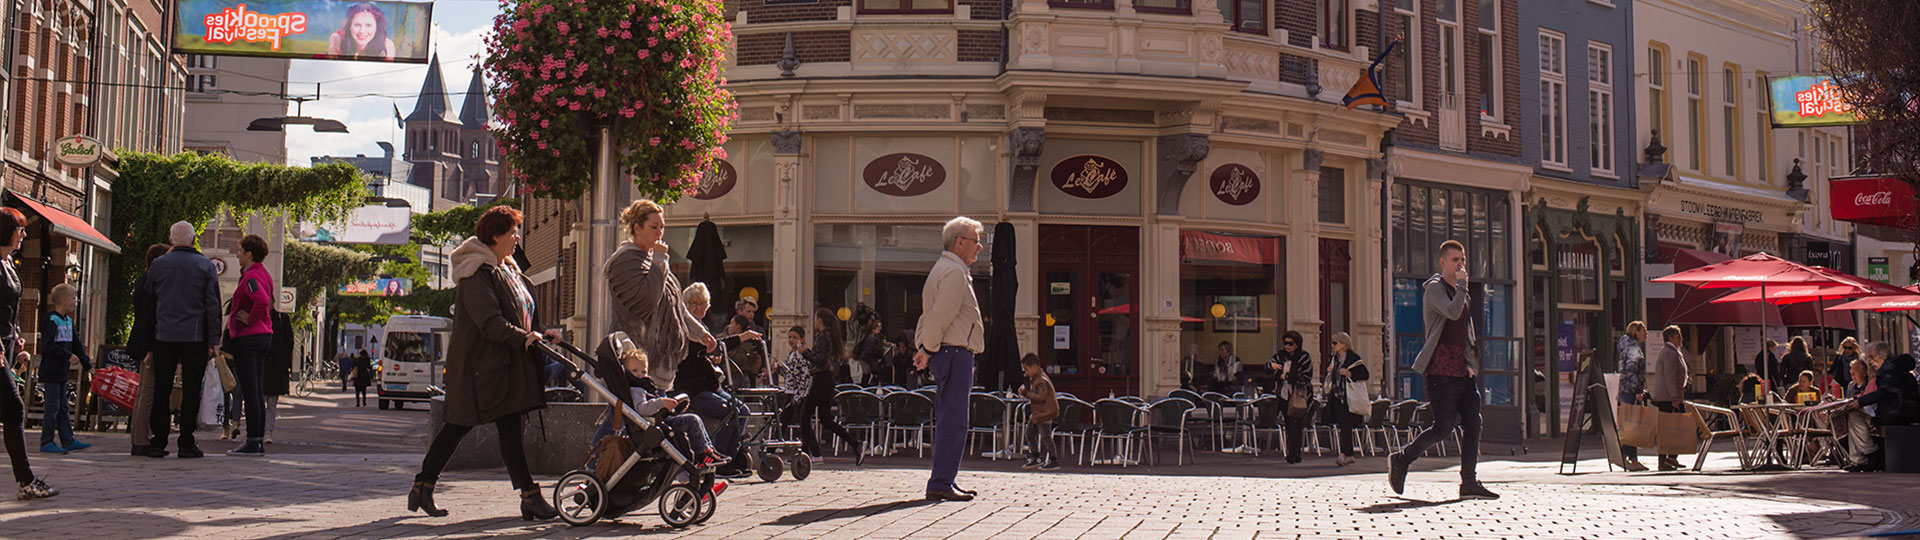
[
  {"x": 314, "y": 268},
  {"x": 650, "y": 69},
  {"x": 155, "y": 190},
  {"x": 454, "y": 224}
]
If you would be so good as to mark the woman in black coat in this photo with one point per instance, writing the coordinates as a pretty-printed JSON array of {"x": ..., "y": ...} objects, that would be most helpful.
[
  {"x": 1345, "y": 367},
  {"x": 1293, "y": 367},
  {"x": 13, "y": 411},
  {"x": 493, "y": 375}
]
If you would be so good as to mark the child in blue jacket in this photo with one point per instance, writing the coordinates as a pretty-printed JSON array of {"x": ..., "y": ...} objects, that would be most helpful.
[{"x": 57, "y": 353}]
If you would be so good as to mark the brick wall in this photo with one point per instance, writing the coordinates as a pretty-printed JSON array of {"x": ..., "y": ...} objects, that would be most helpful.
[
  {"x": 759, "y": 12},
  {"x": 1298, "y": 18},
  {"x": 983, "y": 9},
  {"x": 819, "y": 46},
  {"x": 979, "y": 45}
]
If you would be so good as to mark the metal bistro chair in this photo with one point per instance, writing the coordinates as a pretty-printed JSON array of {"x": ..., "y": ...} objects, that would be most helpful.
[
  {"x": 1072, "y": 424},
  {"x": 1700, "y": 412},
  {"x": 1377, "y": 425},
  {"x": 986, "y": 415},
  {"x": 1404, "y": 428},
  {"x": 1169, "y": 417},
  {"x": 842, "y": 387},
  {"x": 1265, "y": 419},
  {"x": 1203, "y": 413},
  {"x": 859, "y": 410},
  {"x": 1222, "y": 407},
  {"x": 1117, "y": 420},
  {"x": 909, "y": 414}
]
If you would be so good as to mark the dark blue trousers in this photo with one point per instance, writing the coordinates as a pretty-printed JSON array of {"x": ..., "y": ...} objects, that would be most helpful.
[{"x": 952, "y": 369}]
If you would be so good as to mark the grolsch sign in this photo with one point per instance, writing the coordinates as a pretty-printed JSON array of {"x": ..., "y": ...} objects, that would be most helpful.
[{"x": 77, "y": 151}]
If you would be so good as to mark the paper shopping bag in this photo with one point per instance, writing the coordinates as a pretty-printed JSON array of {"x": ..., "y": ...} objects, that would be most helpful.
[
  {"x": 1679, "y": 434},
  {"x": 1637, "y": 426}
]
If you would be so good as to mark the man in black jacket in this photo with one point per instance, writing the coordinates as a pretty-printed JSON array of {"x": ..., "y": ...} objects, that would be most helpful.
[
  {"x": 1892, "y": 399},
  {"x": 187, "y": 330}
]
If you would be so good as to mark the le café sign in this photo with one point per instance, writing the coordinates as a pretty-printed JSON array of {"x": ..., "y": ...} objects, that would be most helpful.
[
  {"x": 904, "y": 175},
  {"x": 1234, "y": 184},
  {"x": 1875, "y": 200},
  {"x": 1089, "y": 177},
  {"x": 77, "y": 151},
  {"x": 716, "y": 182}
]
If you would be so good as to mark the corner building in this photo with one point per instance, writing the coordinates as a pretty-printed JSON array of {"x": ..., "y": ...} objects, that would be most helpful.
[{"x": 1174, "y": 172}]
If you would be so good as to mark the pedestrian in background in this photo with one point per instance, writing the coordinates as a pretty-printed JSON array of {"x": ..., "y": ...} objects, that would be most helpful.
[
  {"x": 1344, "y": 368},
  {"x": 1632, "y": 360},
  {"x": 278, "y": 377},
  {"x": 748, "y": 349},
  {"x": 140, "y": 348},
  {"x": 250, "y": 339},
  {"x": 186, "y": 333},
  {"x": 1798, "y": 359},
  {"x": 1669, "y": 384},
  {"x": 1451, "y": 365},
  {"x": 1227, "y": 371},
  {"x": 817, "y": 403},
  {"x": 1045, "y": 406},
  {"x": 362, "y": 377},
  {"x": 1768, "y": 359},
  {"x": 948, "y": 336},
  {"x": 492, "y": 377},
  {"x": 13, "y": 410},
  {"x": 59, "y": 354},
  {"x": 1841, "y": 368},
  {"x": 1294, "y": 367},
  {"x": 871, "y": 352}
]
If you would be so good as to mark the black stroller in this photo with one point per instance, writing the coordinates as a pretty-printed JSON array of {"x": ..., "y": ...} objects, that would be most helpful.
[{"x": 641, "y": 462}]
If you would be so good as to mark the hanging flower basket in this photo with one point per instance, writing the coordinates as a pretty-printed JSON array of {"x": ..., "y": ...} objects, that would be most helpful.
[{"x": 650, "y": 69}]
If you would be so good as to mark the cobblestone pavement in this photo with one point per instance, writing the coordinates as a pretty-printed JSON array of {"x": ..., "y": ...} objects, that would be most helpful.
[{"x": 322, "y": 483}]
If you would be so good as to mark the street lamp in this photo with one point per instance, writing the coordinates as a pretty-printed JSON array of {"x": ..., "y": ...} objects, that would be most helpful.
[{"x": 280, "y": 123}]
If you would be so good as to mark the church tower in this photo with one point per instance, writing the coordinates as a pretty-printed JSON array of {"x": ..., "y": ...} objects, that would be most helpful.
[
  {"x": 479, "y": 158},
  {"x": 434, "y": 139}
]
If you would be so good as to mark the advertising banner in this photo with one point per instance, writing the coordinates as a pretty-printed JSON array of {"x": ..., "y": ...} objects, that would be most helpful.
[
  {"x": 373, "y": 31},
  {"x": 1809, "y": 101},
  {"x": 383, "y": 225},
  {"x": 378, "y": 287},
  {"x": 1882, "y": 200}
]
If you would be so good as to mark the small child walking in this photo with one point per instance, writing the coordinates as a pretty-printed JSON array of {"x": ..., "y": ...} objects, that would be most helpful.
[
  {"x": 1045, "y": 405},
  {"x": 57, "y": 354},
  {"x": 642, "y": 400}
]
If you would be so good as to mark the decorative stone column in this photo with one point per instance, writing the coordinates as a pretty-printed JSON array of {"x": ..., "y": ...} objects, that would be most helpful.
[
  {"x": 1303, "y": 249},
  {"x": 1180, "y": 154},
  {"x": 1024, "y": 145},
  {"x": 792, "y": 252},
  {"x": 1370, "y": 272}
]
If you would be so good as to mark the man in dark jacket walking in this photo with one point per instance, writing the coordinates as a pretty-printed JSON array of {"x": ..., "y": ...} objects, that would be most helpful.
[
  {"x": 186, "y": 332},
  {"x": 1451, "y": 362}
]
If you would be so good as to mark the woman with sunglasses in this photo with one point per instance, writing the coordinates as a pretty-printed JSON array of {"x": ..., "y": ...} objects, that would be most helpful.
[{"x": 1294, "y": 368}]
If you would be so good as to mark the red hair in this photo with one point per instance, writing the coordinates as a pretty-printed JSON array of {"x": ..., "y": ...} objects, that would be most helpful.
[{"x": 494, "y": 222}]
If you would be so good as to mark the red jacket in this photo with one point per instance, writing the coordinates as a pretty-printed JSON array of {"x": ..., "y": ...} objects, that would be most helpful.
[{"x": 254, "y": 298}]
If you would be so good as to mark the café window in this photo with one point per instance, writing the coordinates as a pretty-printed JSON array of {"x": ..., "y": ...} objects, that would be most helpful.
[
  {"x": 898, "y": 7},
  {"x": 1231, "y": 294},
  {"x": 749, "y": 268},
  {"x": 1424, "y": 216},
  {"x": 884, "y": 267}
]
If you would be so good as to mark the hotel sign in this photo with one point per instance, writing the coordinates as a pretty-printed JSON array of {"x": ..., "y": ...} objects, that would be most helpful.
[
  {"x": 1234, "y": 184},
  {"x": 1089, "y": 177},
  {"x": 904, "y": 175}
]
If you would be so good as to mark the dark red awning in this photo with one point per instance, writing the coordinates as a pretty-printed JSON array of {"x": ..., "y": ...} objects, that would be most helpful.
[
  {"x": 1876, "y": 200},
  {"x": 66, "y": 224}
]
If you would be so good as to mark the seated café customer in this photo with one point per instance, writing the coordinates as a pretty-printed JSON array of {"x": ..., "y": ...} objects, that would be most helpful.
[
  {"x": 640, "y": 392},
  {"x": 1804, "y": 391},
  {"x": 1892, "y": 398}
]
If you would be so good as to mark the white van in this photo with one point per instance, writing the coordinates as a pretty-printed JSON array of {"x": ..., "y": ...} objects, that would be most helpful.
[{"x": 413, "y": 359}]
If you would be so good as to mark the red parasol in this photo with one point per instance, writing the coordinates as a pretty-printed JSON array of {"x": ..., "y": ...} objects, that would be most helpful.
[
  {"x": 1843, "y": 287},
  {"x": 1758, "y": 269},
  {"x": 1904, "y": 302}
]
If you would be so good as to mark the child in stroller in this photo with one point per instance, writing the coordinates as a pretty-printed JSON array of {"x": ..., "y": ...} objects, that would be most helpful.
[{"x": 640, "y": 398}]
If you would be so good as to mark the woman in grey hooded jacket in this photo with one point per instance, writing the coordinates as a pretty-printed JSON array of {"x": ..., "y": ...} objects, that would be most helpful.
[{"x": 646, "y": 295}]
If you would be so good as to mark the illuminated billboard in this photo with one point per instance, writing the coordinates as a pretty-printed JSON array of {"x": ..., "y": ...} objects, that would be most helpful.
[
  {"x": 1810, "y": 101},
  {"x": 378, "y": 287},
  {"x": 374, "y": 31},
  {"x": 383, "y": 225}
]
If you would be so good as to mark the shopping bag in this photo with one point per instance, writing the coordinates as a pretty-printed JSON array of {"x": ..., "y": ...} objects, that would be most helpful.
[
  {"x": 212, "y": 396},
  {"x": 117, "y": 385},
  {"x": 1357, "y": 401},
  {"x": 1678, "y": 433},
  {"x": 1638, "y": 426},
  {"x": 224, "y": 362}
]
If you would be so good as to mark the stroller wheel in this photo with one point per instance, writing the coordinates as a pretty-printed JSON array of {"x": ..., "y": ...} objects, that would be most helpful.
[
  {"x": 708, "y": 505},
  {"x": 802, "y": 466},
  {"x": 771, "y": 466},
  {"x": 680, "y": 506},
  {"x": 580, "y": 498}
]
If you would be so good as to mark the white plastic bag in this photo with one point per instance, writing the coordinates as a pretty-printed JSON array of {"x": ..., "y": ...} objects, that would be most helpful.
[{"x": 213, "y": 397}]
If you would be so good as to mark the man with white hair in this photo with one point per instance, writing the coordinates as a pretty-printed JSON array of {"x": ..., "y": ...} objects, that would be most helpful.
[
  {"x": 186, "y": 331},
  {"x": 948, "y": 336}
]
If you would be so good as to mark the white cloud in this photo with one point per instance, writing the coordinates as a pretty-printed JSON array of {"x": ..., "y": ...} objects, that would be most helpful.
[{"x": 365, "y": 101}]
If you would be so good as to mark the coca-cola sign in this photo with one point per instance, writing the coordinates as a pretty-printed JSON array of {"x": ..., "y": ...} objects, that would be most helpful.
[
  {"x": 1089, "y": 177},
  {"x": 1234, "y": 184},
  {"x": 1875, "y": 200},
  {"x": 716, "y": 182},
  {"x": 904, "y": 175}
]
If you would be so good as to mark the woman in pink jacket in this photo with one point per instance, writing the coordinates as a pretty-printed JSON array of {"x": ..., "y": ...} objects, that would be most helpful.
[{"x": 249, "y": 336}]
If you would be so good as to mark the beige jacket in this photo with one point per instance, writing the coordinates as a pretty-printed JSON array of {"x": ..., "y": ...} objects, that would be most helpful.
[
  {"x": 949, "y": 314},
  {"x": 1669, "y": 380}
]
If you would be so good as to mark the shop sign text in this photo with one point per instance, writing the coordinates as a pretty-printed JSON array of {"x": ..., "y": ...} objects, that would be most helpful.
[
  {"x": 1089, "y": 177},
  {"x": 716, "y": 182},
  {"x": 1737, "y": 215},
  {"x": 904, "y": 175},
  {"x": 1234, "y": 184}
]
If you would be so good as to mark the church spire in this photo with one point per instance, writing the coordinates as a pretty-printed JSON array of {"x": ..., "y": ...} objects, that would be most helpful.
[
  {"x": 474, "y": 111},
  {"x": 432, "y": 103}
]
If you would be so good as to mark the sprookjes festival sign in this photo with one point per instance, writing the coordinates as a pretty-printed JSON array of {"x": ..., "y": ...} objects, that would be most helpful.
[
  {"x": 904, "y": 175},
  {"x": 1810, "y": 101},
  {"x": 1089, "y": 177},
  {"x": 716, "y": 183},
  {"x": 374, "y": 31},
  {"x": 1234, "y": 184}
]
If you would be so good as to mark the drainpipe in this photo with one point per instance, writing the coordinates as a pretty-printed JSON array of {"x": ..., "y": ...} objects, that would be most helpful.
[{"x": 1006, "y": 47}]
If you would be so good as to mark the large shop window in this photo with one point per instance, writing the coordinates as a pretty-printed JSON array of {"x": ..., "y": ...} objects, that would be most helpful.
[
  {"x": 1230, "y": 293},
  {"x": 884, "y": 267},
  {"x": 749, "y": 267},
  {"x": 1424, "y": 216}
]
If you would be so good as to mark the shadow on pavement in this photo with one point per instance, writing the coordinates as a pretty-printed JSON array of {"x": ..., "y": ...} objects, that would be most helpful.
[
  {"x": 50, "y": 525},
  {"x": 1404, "y": 505},
  {"x": 811, "y": 516}
]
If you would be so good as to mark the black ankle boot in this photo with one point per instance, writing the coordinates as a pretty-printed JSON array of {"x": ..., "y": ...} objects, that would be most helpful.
[
  {"x": 534, "y": 507},
  {"x": 421, "y": 498}
]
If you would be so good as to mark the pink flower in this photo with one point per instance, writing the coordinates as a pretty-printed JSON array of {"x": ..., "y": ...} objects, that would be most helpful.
[
  {"x": 643, "y": 54},
  {"x": 655, "y": 141},
  {"x": 562, "y": 26}
]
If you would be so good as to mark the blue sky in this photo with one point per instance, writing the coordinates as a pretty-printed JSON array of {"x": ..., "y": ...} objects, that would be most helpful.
[{"x": 458, "y": 33}]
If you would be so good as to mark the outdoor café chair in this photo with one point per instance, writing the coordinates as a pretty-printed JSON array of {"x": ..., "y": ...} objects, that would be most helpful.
[
  {"x": 1072, "y": 424},
  {"x": 1119, "y": 421},
  {"x": 1169, "y": 417},
  {"x": 1700, "y": 412},
  {"x": 1222, "y": 407},
  {"x": 842, "y": 387},
  {"x": 1377, "y": 425},
  {"x": 986, "y": 416},
  {"x": 1265, "y": 418},
  {"x": 1404, "y": 428},
  {"x": 1205, "y": 413},
  {"x": 859, "y": 410},
  {"x": 909, "y": 414}
]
